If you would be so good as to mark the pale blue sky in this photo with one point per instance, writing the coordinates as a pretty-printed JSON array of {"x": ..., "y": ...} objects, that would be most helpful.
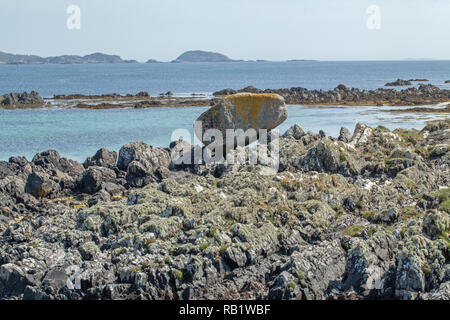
[{"x": 241, "y": 29}]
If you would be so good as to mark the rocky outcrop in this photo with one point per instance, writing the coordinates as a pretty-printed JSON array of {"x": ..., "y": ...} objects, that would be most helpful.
[
  {"x": 38, "y": 185},
  {"x": 365, "y": 216},
  {"x": 295, "y": 132},
  {"x": 94, "y": 178},
  {"x": 344, "y": 135},
  {"x": 102, "y": 158},
  {"x": 322, "y": 156},
  {"x": 344, "y": 95},
  {"x": 399, "y": 83},
  {"x": 141, "y": 162},
  {"x": 21, "y": 100}
]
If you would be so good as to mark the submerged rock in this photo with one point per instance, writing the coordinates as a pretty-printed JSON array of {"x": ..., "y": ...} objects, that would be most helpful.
[{"x": 399, "y": 82}]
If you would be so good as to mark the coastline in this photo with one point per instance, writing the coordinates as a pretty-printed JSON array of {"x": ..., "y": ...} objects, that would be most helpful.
[
  {"x": 217, "y": 159},
  {"x": 342, "y": 95},
  {"x": 338, "y": 209}
]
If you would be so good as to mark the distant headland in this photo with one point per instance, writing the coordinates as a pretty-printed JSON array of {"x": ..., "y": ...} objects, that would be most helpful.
[
  {"x": 98, "y": 57},
  {"x": 191, "y": 56}
]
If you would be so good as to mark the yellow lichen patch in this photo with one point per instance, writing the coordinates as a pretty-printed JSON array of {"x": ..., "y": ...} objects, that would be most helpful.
[
  {"x": 74, "y": 202},
  {"x": 248, "y": 105},
  {"x": 65, "y": 200},
  {"x": 116, "y": 198},
  {"x": 78, "y": 205}
]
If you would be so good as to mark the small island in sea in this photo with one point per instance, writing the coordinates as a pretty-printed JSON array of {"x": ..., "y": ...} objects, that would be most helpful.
[{"x": 202, "y": 56}]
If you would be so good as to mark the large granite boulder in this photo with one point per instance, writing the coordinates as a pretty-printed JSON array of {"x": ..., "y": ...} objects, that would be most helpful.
[{"x": 243, "y": 111}]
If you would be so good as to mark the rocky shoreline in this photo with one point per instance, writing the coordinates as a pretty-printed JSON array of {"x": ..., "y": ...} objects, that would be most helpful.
[
  {"x": 341, "y": 95},
  {"x": 344, "y": 95},
  {"x": 140, "y": 100},
  {"x": 361, "y": 216}
]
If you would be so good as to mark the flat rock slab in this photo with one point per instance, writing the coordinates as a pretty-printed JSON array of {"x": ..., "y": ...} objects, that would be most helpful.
[{"x": 243, "y": 111}]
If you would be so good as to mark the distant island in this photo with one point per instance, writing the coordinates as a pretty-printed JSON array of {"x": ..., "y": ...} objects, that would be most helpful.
[
  {"x": 201, "y": 56},
  {"x": 153, "y": 61},
  {"x": 191, "y": 56},
  {"x": 8, "y": 58},
  {"x": 300, "y": 60}
]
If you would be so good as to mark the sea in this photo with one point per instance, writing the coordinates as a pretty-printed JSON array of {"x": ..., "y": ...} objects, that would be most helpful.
[{"x": 78, "y": 133}]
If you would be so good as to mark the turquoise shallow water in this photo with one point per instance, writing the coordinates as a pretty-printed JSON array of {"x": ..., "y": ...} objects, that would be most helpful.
[{"x": 78, "y": 133}]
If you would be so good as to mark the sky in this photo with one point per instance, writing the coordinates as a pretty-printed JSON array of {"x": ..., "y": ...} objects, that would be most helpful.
[{"x": 242, "y": 29}]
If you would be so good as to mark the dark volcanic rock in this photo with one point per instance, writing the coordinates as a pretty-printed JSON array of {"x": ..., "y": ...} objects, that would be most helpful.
[
  {"x": 225, "y": 92},
  {"x": 344, "y": 135},
  {"x": 13, "y": 280},
  {"x": 94, "y": 177},
  {"x": 141, "y": 152},
  {"x": 342, "y": 94},
  {"x": 51, "y": 160},
  {"x": 325, "y": 157},
  {"x": 343, "y": 87},
  {"x": 295, "y": 132},
  {"x": 141, "y": 162},
  {"x": 102, "y": 158},
  {"x": 144, "y": 94},
  {"x": 361, "y": 217},
  {"x": 398, "y": 82},
  {"x": 21, "y": 99},
  {"x": 138, "y": 175},
  {"x": 38, "y": 185}
]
